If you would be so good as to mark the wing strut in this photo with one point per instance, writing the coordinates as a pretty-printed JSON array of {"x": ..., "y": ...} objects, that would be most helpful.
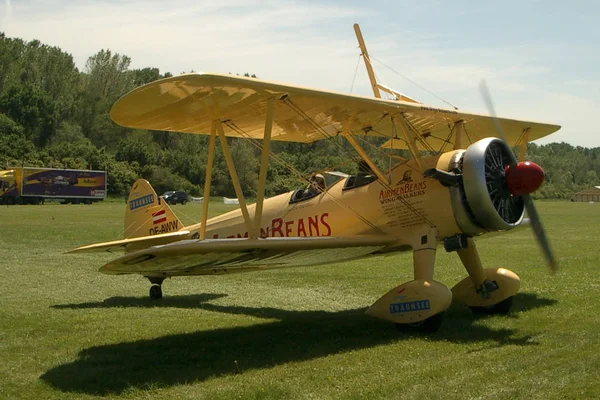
[
  {"x": 264, "y": 164},
  {"x": 363, "y": 50},
  {"x": 458, "y": 135},
  {"x": 374, "y": 84},
  {"x": 207, "y": 179},
  {"x": 365, "y": 157},
  {"x": 234, "y": 176},
  {"x": 410, "y": 139}
]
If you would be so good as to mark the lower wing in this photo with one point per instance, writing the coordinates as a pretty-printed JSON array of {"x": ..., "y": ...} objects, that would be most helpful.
[{"x": 214, "y": 256}]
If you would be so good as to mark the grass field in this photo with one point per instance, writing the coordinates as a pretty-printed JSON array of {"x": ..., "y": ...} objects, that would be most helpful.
[{"x": 70, "y": 332}]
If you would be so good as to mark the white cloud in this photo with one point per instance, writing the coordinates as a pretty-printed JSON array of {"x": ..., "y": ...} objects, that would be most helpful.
[
  {"x": 263, "y": 38},
  {"x": 6, "y": 15}
]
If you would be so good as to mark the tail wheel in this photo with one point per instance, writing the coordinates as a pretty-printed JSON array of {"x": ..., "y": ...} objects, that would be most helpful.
[{"x": 155, "y": 292}]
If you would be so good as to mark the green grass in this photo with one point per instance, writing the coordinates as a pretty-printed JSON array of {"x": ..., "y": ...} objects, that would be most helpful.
[{"x": 68, "y": 331}]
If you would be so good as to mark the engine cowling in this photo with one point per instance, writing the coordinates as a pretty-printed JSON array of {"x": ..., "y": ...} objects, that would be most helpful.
[
  {"x": 482, "y": 202},
  {"x": 484, "y": 181}
]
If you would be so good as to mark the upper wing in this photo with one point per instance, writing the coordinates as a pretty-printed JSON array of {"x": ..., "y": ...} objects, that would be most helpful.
[
  {"x": 189, "y": 103},
  {"x": 230, "y": 255}
]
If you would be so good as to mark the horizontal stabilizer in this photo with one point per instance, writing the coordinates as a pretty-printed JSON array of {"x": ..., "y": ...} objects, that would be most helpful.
[{"x": 133, "y": 244}]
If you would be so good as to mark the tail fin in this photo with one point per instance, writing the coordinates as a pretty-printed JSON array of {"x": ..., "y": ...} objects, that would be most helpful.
[{"x": 147, "y": 214}]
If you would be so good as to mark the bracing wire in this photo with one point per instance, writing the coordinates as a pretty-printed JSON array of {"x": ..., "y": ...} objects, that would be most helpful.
[
  {"x": 298, "y": 174},
  {"x": 413, "y": 82},
  {"x": 302, "y": 114},
  {"x": 355, "y": 72}
]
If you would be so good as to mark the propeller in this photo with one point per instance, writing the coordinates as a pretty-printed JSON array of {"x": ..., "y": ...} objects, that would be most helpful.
[{"x": 522, "y": 179}]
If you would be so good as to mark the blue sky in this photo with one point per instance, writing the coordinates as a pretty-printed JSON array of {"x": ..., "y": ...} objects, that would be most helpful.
[{"x": 540, "y": 59}]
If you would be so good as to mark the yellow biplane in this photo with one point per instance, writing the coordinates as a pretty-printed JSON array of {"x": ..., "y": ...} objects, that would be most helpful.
[{"x": 461, "y": 181}]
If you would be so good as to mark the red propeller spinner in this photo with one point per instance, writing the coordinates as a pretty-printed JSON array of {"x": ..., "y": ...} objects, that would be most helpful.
[{"x": 524, "y": 178}]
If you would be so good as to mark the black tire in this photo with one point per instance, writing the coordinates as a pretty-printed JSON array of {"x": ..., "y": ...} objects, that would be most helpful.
[
  {"x": 430, "y": 325},
  {"x": 155, "y": 292},
  {"x": 501, "y": 308}
]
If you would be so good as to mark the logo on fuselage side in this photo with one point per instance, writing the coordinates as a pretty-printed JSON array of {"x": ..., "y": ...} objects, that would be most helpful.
[
  {"x": 141, "y": 202},
  {"x": 406, "y": 178},
  {"x": 307, "y": 226},
  {"x": 404, "y": 191},
  {"x": 410, "y": 306}
]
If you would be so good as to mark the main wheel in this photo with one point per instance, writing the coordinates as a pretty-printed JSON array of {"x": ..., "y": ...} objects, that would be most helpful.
[
  {"x": 502, "y": 308},
  {"x": 155, "y": 292},
  {"x": 430, "y": 325}
]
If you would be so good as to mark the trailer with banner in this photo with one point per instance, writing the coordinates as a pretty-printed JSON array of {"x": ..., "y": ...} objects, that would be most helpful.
[{"x": 33, "y": 185}]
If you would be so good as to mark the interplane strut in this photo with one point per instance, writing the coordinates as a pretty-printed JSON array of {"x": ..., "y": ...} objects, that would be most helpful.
[{"x": 264, "y": 164}]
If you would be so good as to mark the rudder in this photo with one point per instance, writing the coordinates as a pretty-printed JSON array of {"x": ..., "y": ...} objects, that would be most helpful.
[{"x": 147, "y": 214}]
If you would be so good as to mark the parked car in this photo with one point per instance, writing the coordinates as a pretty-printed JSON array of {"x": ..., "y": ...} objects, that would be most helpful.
[{"x": 174, "y": 197}]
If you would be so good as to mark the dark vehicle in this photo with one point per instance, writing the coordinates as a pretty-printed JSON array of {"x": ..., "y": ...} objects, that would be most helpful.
[{"x": 174, "y": 197}]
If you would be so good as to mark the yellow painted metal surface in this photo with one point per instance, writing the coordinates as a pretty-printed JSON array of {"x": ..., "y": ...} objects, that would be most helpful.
[
  {"x": 367, "y": 60},
  {"x": 412, "y": 302},
  {"x": 234, "y": 177},
  {"x": 396, "y": 209},
  {"x": 262, "y": 174},
  {"x": 220, "y": 256},
  {"x": 208, "y": 178},
  {"x": 137, "y": 243},
  {"x": 301, "y": 114},
  {"x": 508, "y": 285},
  {"x": 147, "y": 214},
  {"x": 401, "y": 210}
]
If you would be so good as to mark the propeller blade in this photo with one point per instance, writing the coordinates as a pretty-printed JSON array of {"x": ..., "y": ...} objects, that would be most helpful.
[
  {"x": 487, "y": 98},
  {"x": 540, "y": 233},
  {"x": 536, "y": 222}
]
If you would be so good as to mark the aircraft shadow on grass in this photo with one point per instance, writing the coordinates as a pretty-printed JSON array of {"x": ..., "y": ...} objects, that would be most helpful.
[{"x": 293, "y": 336}]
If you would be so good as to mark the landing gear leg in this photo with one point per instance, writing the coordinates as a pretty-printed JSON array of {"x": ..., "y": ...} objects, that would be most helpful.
[
  {"x": 423, "y": 268},
  {"x": 470, "y": 259},
  {"x": 156, "y": 288},
  {"x": 484, "y": 291},
  {"x": 420, "y": 303},
  {"x": 423, "y": 264}
]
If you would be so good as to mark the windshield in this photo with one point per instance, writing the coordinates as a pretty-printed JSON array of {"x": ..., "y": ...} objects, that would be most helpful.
[{"x": 168, "y": 193}]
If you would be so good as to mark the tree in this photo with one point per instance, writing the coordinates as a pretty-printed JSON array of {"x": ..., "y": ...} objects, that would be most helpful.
[
  {"x": 33, "y": 109},
  {"x": 138, "y": 146},
  {"x": 107, "y": 78},
  {"x": 15, "y": 148}
]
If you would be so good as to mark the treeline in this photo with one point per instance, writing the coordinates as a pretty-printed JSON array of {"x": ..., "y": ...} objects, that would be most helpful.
[
  {"x": 53, "y": 115},
  {"x": 568, "y": 169}
]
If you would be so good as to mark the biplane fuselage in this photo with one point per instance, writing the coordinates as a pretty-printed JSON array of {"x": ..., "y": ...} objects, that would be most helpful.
[{"x": 370, "y": 209}]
